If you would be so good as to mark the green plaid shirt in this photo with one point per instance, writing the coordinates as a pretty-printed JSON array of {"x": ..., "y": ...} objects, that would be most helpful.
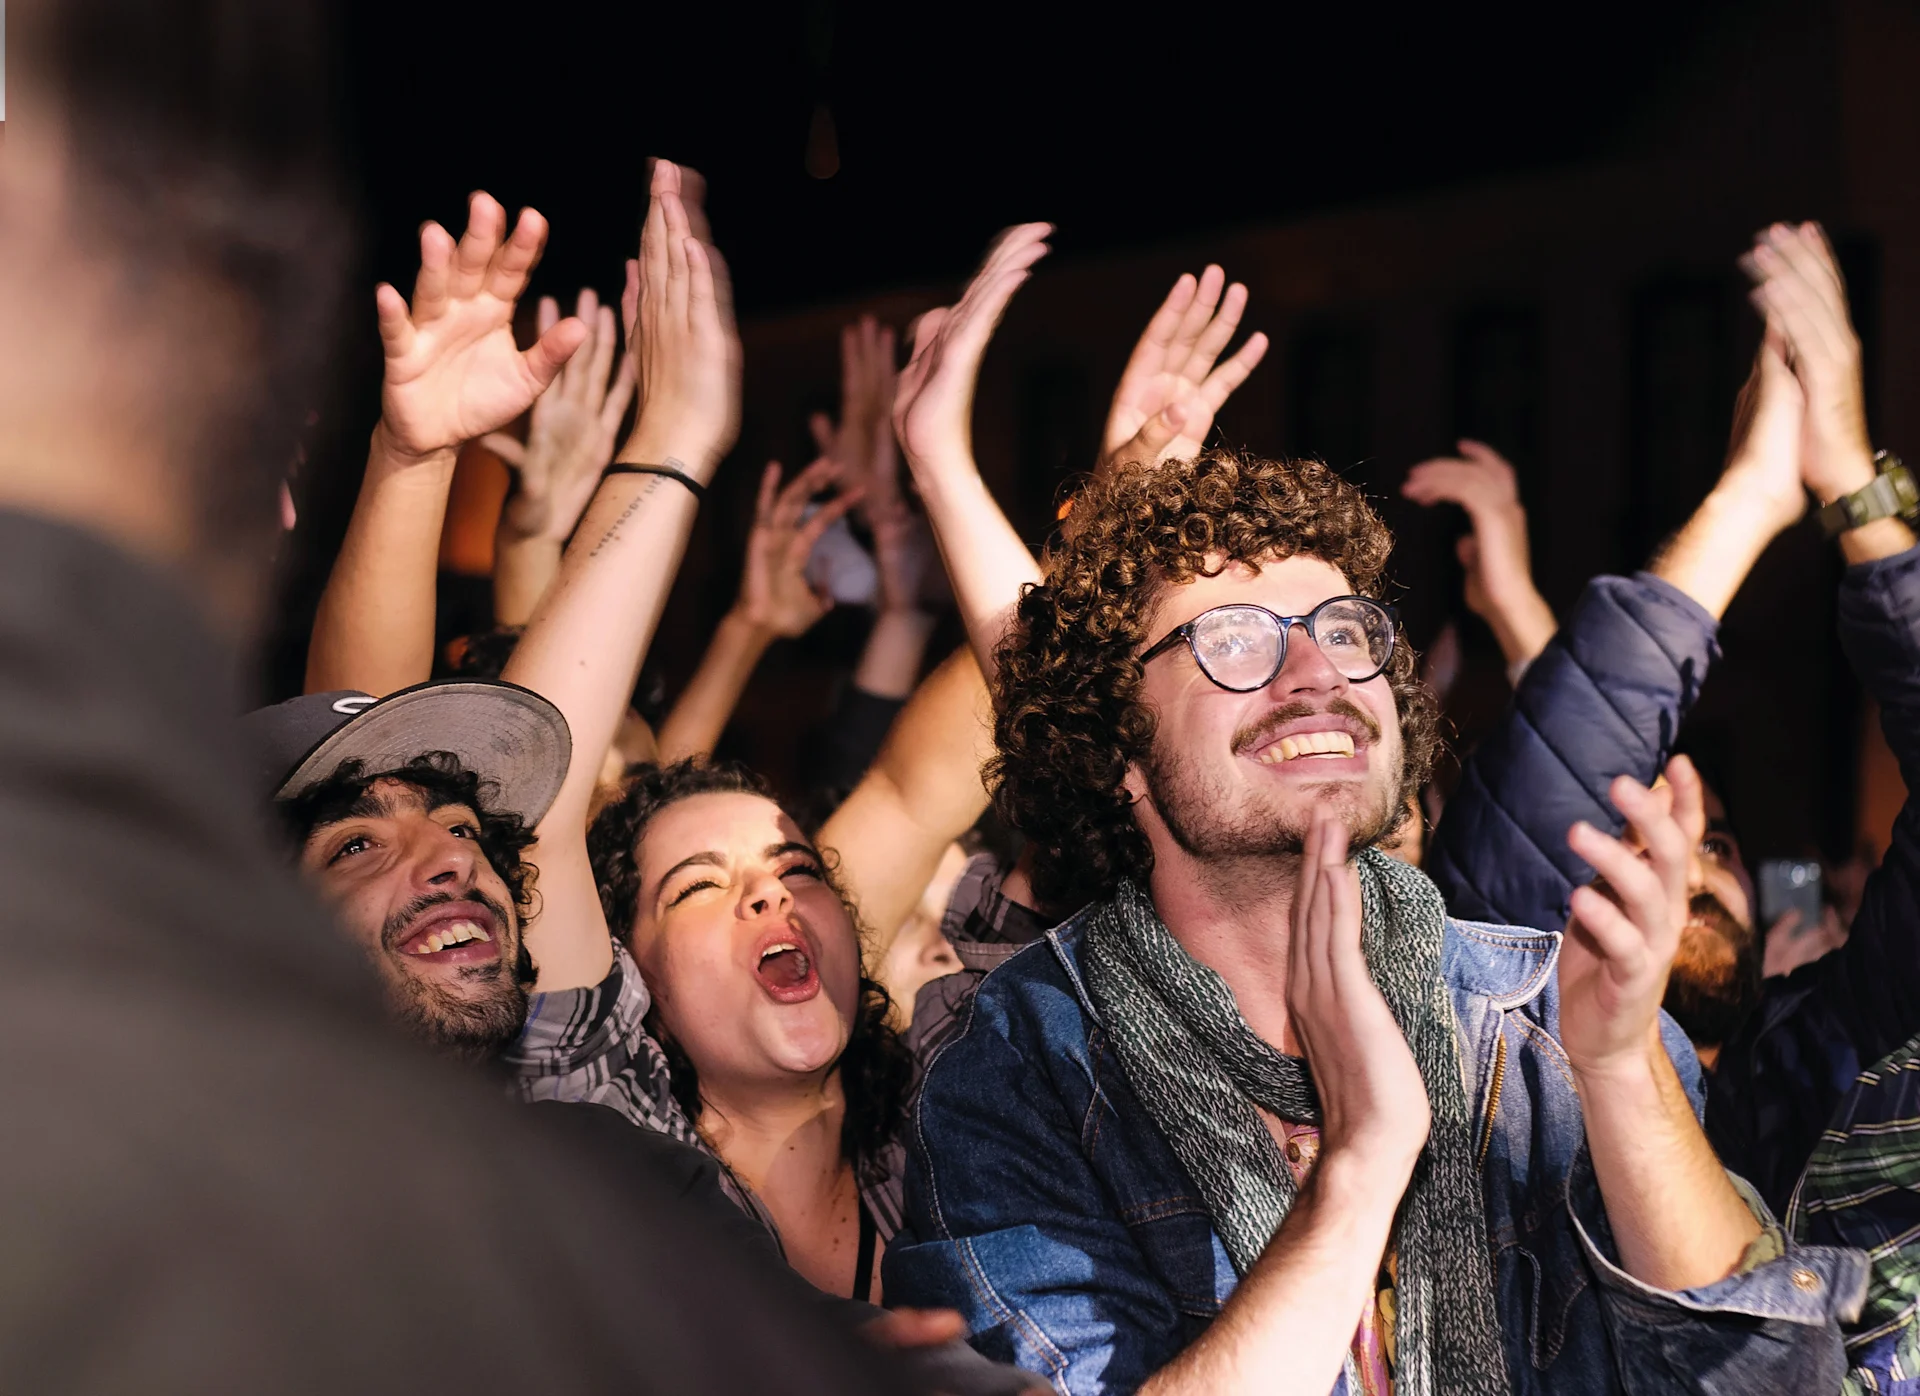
[{"x": 1862, "y": 1188}]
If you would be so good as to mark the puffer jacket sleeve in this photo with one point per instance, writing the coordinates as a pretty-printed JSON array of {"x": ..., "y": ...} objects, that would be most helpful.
[
  {"x": 1605, "y": 698},
  {"x": 1872, "y": 983}
]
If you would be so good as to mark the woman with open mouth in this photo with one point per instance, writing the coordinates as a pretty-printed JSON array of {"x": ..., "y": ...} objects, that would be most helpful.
[{"x": 779, "y": 1045}]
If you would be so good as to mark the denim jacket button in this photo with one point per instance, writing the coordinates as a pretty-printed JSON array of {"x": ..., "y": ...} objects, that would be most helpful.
[{"x": 1805, "y": 1281}]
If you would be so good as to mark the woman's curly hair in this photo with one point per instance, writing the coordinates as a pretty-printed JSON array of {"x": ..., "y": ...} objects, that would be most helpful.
[
  {"x": 876, "y": 1069},
  {"x": 1069, "y": 715}
]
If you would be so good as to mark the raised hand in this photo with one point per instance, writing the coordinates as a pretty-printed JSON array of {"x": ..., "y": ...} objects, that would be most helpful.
[
  {"x": 685, "y": 346},
  {"x": 1798, "y": 287},
  {"x": 453, "y": 371},
  {"x": 861, "y": 443},
  {"x": 903, "y": 554},
  {"x": 1764, "y": 459},
  {"x": 1171, "y": 389},
  {"x": 1373, "y": 1102},
  {"x": 570, "y": 436},
  {"x": 775, "y": 596},
  {"x": 1626, "y": 929},
  {"x": 933, "y": 404},
  {"x": 1500, "y": 587}
]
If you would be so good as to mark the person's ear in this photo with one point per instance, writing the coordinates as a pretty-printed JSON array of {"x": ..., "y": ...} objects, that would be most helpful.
[{"x": 1134, "y": 783}]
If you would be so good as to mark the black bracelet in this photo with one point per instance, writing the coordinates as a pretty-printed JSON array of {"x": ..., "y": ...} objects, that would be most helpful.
[{"x": 699, "y": 490}]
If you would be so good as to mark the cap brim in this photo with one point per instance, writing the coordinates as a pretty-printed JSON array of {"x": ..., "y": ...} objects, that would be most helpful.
[{"x": 505, "y": 734}]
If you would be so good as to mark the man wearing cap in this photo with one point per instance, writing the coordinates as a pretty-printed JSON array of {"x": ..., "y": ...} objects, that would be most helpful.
[{"x": 410, "y": 814}]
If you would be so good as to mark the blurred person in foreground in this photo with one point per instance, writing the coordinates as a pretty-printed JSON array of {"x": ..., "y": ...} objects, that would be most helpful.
[
  {"x": 1262, "y": 1116},
  {"x": 223, "y": 1173}
]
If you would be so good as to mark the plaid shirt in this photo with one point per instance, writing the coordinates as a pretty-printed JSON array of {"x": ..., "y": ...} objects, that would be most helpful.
[
  {"x": 593, "y": 1045},
  {"x": 1862, "y": 1188}
]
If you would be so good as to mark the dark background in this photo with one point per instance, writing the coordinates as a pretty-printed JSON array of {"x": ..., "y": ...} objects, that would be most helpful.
[
  {"x": 1512, "y": 222},
  {"x": 955, "y": 120}
]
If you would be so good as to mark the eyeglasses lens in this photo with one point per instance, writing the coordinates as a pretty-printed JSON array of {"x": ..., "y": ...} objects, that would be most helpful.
[
  {"x": 1238, "y": 646},
  {"x": 1356, "y": 636}
]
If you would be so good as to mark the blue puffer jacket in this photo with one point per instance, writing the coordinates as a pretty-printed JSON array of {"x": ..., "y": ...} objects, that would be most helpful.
[{"x": 1607, "y": 696}]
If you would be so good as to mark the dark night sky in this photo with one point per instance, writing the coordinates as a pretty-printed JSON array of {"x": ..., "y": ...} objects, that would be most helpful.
[{"x": 953, "y": 121}]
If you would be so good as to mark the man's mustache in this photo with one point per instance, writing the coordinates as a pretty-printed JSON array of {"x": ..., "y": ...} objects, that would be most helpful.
[
  {"x": 1259, "y": 732},
  {"x": 395, "y": 930}
]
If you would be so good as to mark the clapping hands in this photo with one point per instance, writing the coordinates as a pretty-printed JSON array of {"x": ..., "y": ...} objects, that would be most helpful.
[
  {"x": 1625, "y": 930},
  {"x": 686, "y": 350},
  {"x": 1372, "y": 1097},
  {"x": 1798, "y": 287}
]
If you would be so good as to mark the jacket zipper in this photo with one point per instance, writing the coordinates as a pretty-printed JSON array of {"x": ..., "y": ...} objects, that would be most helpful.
[{"x": 1493, "y": 1098}]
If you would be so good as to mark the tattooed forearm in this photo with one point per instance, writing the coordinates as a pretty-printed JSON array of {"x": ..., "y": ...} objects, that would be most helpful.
[{"x": 612, "y": 534}]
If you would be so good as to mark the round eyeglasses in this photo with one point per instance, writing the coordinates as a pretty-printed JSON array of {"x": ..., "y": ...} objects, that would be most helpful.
[{"x": 1242, "y": 647}]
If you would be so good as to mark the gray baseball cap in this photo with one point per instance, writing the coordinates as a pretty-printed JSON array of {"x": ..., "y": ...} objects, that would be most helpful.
[{"x": 503, "y": 733}]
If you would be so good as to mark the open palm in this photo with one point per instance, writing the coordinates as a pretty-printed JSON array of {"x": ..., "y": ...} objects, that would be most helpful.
[
  {"x": 453, "y": 371},
  {"x": 1171, "y": 389}
]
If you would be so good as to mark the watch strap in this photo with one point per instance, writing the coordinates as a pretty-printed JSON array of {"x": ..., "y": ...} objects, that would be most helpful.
[{"x": 1891, "y": 493}]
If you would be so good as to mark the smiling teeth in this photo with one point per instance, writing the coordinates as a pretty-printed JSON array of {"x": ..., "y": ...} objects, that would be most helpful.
[
  {"x": 1308, "y": 744},
  {"x": 779, "y": 949},
  {"x": 459, "y": 933}
]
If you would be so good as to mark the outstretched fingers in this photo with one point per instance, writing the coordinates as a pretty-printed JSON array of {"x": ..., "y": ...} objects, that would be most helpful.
[
  {"x": 511, "y": 266},
  {"x": 396, "y": 328},
  {"x": 1188, "y": 352},
  {"x": 1150, "y": 352},
  {"x": 486, "y": 225},
  {"x": 1225, "y": 379},
  {"x": 433, "y": 286}
]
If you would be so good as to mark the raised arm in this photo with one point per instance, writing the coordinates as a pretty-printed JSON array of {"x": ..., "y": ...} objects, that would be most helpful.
[
  {"x": 922, "y": 792},
  {"x": 1174, "y": 381},
  {"x": 1500, "y": 587},
  {"x": 775, "y": 600},
  {"x": 933, "y": 417},
  {"x": 586, "y": 640},
  {"x": 1872, "y": 982},
  {"x": 570, "y": 438},
  {"x": 1676, "y": 1218},
  {"x": 453, "y": 373},
  {"x": 1607, "y": 695}
]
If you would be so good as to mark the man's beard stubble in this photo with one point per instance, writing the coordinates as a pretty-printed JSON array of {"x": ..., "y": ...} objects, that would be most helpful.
[
  {"x": 1203, "y": 821},
  {"x": 1715, "y": 981},
  {"x": 467, "y": 1028}
]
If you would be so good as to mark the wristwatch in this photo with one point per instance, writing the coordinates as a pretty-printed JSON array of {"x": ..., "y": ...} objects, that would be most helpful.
[{"x": 1892, "y": 492}]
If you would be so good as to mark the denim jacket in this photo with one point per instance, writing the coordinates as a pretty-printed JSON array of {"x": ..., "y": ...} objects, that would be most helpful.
[{"x": 1044, "y": 1204}]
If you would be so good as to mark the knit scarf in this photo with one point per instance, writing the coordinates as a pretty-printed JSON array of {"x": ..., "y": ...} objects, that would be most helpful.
[{"x": 1200, "y": 1070}]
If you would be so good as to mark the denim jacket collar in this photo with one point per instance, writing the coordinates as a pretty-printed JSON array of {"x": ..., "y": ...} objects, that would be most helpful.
[{"x": 1507, "y": 965}]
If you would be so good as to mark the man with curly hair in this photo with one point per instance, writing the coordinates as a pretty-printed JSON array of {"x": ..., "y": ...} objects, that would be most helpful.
[{"x": 1262, "y": 1116}]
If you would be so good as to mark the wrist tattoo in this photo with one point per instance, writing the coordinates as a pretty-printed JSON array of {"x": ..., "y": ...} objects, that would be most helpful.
[{"x": 612, "y": 535}]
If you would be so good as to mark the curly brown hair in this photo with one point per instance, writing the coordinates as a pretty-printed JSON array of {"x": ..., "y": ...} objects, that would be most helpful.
[{"x": 1069, "y": 718}]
